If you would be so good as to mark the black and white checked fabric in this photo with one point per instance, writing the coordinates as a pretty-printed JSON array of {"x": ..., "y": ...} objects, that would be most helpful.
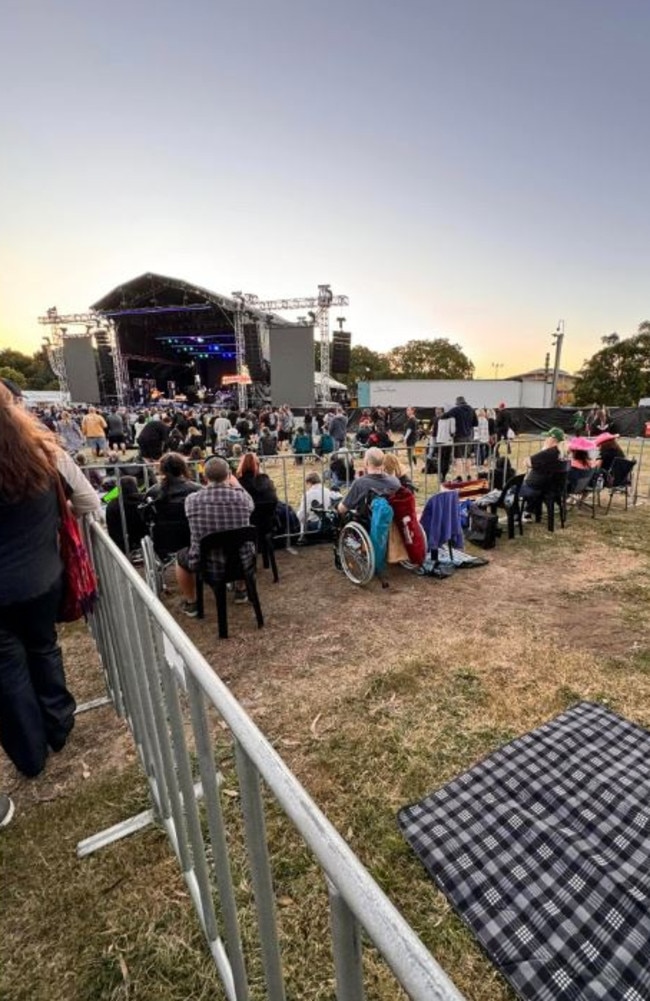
[{"x": 544, "y": 850}]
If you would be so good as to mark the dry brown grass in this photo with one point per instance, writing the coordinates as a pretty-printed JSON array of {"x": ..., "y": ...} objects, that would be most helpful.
[{"x": 374, "y": 698}]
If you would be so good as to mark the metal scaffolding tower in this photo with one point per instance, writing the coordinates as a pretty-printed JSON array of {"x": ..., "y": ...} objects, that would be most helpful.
[
  {"x": 320, "y": 305},
  {"x": 104, "y": 332}
]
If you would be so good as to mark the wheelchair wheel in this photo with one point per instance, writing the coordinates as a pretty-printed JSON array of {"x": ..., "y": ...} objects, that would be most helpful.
[
  {"x": 356, "y": 553},
  {"x": 152, "y": 570},
  {"x": 413, "y": 566}
]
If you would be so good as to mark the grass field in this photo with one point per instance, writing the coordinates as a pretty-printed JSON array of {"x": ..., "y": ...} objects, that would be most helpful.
[{"x": 373, "y": 698}]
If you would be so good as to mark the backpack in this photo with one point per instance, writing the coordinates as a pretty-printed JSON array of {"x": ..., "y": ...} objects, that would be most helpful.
[
  {"x": 483, "y": 527},
  {"x": 282, "y": 512}
]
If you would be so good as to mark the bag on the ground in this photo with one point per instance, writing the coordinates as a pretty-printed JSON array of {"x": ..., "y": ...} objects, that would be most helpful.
[
  {"x": 483, "y": 527},
  {"x": 79, "y": 581},
  {"x": 285, "y": 522}
]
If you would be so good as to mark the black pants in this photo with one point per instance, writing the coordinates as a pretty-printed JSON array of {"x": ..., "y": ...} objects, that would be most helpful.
[{"x": 36, "y": 708}]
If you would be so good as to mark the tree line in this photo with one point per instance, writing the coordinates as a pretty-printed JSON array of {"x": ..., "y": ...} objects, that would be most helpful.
[
  {"x": 619, "y": 374},
  {"x": 417, "y": 359},
  {"x": 28, "y": 371},
  {"x": 616, "y": 375}
]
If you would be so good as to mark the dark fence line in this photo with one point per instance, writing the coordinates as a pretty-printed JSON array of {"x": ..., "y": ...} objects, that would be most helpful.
[{"x": 627, "y": 421}]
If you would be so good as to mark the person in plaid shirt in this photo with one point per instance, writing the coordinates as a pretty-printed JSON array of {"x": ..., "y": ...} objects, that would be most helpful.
[{"x": 221, "y": 506}]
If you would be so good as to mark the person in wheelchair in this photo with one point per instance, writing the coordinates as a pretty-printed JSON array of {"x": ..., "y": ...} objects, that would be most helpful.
[
  {"x": 373, "y": 481},
  {"x": 164, "y": 505}
]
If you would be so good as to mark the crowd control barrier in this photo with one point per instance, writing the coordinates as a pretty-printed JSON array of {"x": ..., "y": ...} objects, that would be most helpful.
[
  {"x": 166, "y": 691},
  {"x": 289, "y": 475}
]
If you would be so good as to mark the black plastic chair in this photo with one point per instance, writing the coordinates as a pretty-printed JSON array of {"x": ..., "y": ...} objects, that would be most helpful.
[
  {"x": 229, "y": 544},
  {"x": 619, "y": 480},
  {"x": 554, "y": 495},
  {"x": 510, "y": 502},
  {"x": 263, "y": 517}
]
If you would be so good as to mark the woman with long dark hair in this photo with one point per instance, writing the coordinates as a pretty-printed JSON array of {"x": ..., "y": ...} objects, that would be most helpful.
[{"x": 36, "y": 708}]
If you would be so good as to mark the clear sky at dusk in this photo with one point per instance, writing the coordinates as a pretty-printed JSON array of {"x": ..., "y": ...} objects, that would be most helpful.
[{"x": 474, "y": 169}]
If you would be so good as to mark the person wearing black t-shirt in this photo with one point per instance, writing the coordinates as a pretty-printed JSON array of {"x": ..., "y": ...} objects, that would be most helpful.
[{"x": 544, "y": 472}]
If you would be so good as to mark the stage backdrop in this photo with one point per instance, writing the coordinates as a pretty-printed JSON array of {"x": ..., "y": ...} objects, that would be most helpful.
[
  {"x": 292, "y": 365},
  {"x": 81, "y": 369}
]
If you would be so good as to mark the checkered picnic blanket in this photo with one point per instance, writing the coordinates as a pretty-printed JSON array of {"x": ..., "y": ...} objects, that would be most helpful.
[{"x": 544, "y": 850}]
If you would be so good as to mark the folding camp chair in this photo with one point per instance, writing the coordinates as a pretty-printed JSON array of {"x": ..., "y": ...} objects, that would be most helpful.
[
  {"x": 585, "y": 486},
  {"x": 619, "y": 479}
]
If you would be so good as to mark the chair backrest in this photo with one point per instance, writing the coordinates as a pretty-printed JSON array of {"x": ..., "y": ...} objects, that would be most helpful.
[
  {"x": 228, "y": 543},
  {"x": 581, "y": 484},
  {"x": 263, "y": 516},
  {"x": 510, "y": 491},
  {"x": 620, "y": 473}
]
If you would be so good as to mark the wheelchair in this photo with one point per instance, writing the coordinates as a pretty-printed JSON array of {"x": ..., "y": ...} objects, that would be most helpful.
[{"x": 354, "y": 552}]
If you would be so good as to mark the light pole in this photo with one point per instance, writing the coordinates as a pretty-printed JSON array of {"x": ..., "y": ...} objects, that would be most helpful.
[
  {"x": 558, "y": 338},
  {"x": 496, "y": 365}
]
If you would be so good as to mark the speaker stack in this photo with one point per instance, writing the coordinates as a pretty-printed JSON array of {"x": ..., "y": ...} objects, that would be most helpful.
[
  {"x": 253, "y": 352},
  {"x": 340, "y": 360}
]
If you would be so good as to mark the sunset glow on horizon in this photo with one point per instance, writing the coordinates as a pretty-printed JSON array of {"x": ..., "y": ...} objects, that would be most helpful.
[{"x": 471, "y": 171}]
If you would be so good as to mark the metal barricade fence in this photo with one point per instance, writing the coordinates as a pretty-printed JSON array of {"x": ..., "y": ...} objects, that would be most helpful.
[{"x": 154, "y": 672}]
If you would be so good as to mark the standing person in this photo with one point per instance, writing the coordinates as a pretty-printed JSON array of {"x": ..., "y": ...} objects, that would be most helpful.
[
  {"x": 93, "y": 428},
  {"x": 444, "y": 429},
  {"x": 592, "y": 420},
  {"x": 152, "y": 440},
  {"x": 579, "y": 423},
  {"x": 70, "y": 434},
  {"x": 503, "y": 424},
  {"x": 411, "y": 434},
  {"x": 36, "y": 708},
  {"x": 483, "y": 429},
  {"x": 116, "y": 431},
  {"x": 221, "y": 427},
  {"x": 466, "y": 421},
  {"x": 338, "y": 428}
]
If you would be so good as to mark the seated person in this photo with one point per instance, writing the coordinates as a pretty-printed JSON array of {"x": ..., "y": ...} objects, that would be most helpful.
[
  {"x": 131, "y": 503},
  {"x": 393, "y": 467},
  {"x": 301, "y": 445},
  {"x": 379, "y": 437},
  {"x": 260, "y": 486},
  {"x": 167, "y": 499},
  {"x": 221, "y": 506},
  {"x": 580, "y": 463},
  {"x": 373, "y": 481},
  {"x": 608, "y": 450},
  {"x": 545, "y": 469},
  {"x": 342, "y": 468},
  {"x": 315, "y": 493},
  {"x": 326, "y": 444},
  {"x": 363, "y": 433}
]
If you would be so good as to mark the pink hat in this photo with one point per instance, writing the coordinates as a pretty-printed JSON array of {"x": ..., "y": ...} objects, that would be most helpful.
[
  {"x": 581, "y": 444},
  {"x": 605, "y": 436}
]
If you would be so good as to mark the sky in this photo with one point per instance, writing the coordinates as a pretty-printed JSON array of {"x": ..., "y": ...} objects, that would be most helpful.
[{"x": 469, "y": 169}]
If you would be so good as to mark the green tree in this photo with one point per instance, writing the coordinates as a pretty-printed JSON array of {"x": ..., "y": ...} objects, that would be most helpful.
[
  {"x": 434, "y": 359},
  {"x": 617, "y": 375},
  {"x": 7, "y": 372},
  {"x": 367, "y": 364},
  {"x": 34, "y": 369}
]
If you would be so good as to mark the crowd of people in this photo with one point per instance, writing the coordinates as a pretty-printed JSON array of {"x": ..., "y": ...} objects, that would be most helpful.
[{"x": 227, "y": 449}]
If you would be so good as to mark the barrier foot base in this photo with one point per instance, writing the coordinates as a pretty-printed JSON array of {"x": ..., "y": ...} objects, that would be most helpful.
[
  {"x": 93, "y": 704},
  {"x": 114, "y": 833}
]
